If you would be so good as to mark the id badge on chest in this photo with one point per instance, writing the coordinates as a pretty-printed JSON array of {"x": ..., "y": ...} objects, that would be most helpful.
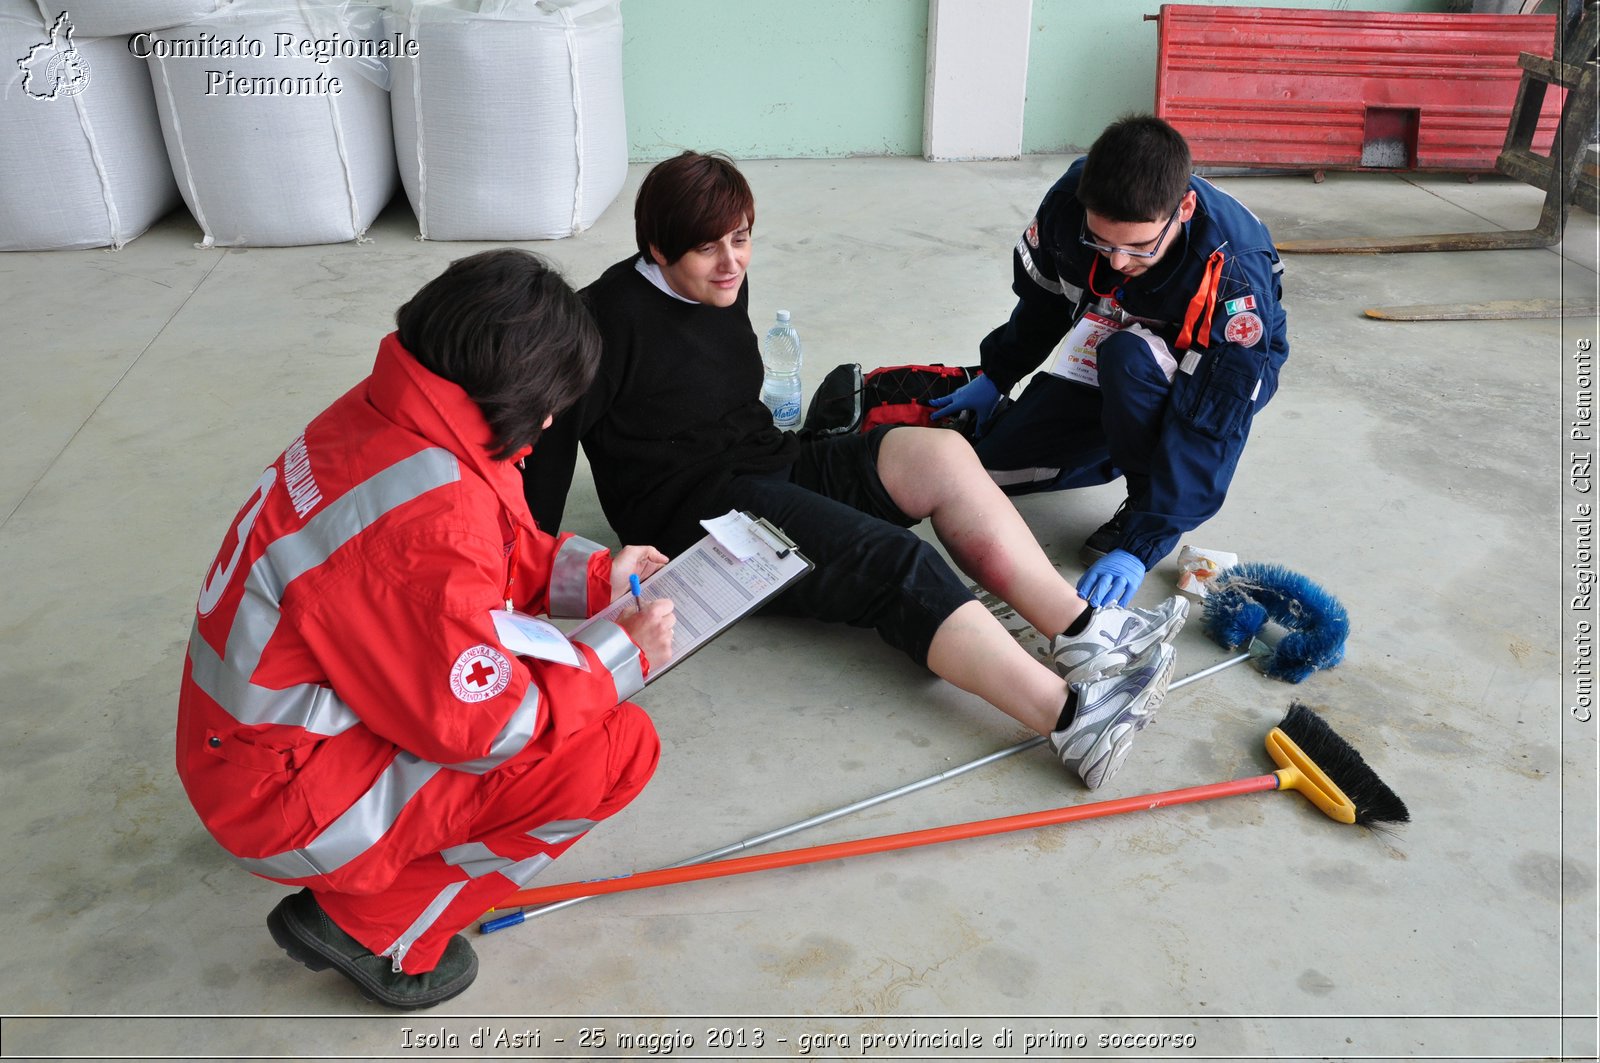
[{"x": 1077, "y": 358}]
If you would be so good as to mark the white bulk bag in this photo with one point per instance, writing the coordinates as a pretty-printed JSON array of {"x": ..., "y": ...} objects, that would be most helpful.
[
  {"x": 109, "y": 18},
  {"x": 509, "y": 122},
  {"x": 83, "y": 164},
  {"x": 266, "y": 152}
]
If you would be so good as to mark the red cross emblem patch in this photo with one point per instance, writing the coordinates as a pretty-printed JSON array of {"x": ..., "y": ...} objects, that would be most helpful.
[
  {"x": 479, "y": 673},
  {"x": 1244, "y": 329}
]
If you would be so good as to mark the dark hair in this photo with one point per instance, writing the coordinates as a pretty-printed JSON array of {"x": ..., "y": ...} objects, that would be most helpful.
[
  {"x": 1137, "y": 170},
  {"x": 506, "y": 328},
  {"x": 690, "y": 200}
]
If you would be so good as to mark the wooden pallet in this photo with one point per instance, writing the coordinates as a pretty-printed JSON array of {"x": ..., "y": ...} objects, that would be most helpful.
[{"x": 1560, "y": 173}]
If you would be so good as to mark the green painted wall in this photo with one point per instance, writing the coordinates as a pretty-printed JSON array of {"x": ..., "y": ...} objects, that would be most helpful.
[
  {"x": 781, "y": 79},
  {"x": 772, "y": 79},
  {"x": 1090, "y": 61}
]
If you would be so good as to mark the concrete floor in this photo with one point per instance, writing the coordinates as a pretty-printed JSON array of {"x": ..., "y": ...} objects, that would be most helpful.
[{"x": 1415, "y": 470}]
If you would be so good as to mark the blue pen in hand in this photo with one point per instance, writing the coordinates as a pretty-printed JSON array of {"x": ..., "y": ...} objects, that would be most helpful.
[{"x": 633, "y": 585}]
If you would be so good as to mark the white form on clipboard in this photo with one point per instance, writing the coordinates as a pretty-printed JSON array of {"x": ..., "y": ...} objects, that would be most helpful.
[{"x": 711, "y": 586}]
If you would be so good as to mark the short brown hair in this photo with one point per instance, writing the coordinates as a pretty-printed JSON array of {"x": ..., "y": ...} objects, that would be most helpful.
[
  {"x": 510, "y": 331},
  {"x": 1137, "y": 170},
  {"x": 690, "y": 200}
]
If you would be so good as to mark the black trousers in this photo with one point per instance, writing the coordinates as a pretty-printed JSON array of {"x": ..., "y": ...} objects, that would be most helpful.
[{"x": 871, "y": 570}]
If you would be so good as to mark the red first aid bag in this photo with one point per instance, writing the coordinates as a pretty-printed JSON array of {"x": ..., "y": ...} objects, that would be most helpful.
[{"x": 849, "y": 400}]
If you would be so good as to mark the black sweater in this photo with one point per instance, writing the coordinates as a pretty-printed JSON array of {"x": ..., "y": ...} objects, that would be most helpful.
[{"x": 674, "y": 413}]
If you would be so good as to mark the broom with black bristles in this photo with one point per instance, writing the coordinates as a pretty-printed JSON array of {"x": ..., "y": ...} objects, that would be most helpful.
[{"x": 1310, "y": 755}]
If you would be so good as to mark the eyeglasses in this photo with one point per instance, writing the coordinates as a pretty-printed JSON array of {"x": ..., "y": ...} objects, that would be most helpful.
[{"x": 1083, "y": 238}]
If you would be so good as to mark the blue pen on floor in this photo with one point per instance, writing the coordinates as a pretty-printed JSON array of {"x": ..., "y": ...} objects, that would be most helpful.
[{"x": 633, "y": 585}]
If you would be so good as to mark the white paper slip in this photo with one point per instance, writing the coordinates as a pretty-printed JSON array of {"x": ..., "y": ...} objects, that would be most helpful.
[
  {"x": 735, "y": 533},
  {"x": 528, "y": 636}
]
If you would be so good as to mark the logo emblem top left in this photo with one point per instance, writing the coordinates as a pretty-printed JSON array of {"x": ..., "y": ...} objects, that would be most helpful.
[{"x": 55, "y": 67}]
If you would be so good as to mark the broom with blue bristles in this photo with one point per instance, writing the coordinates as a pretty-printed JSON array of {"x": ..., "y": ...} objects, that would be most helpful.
[{"x": 1250, "y": 597}]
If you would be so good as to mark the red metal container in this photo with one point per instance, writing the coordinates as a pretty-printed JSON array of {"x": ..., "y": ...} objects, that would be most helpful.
[{"x": 1347, "y": 90}]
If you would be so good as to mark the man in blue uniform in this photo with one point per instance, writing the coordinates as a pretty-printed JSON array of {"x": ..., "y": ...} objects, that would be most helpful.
[{"x": 1162, "y": 292}]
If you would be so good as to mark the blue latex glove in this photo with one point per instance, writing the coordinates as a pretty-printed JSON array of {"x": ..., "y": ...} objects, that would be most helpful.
[
  {"x": 1112, "y": 579},
  {"x": 978, "y": 395}
]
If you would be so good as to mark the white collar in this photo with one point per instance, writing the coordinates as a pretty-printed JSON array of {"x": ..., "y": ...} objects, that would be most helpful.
[{"x": 652, "y": 273}]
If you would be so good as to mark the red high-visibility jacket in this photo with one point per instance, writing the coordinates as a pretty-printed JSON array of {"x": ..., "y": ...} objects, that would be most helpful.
[{"x": 344, "y": 667}]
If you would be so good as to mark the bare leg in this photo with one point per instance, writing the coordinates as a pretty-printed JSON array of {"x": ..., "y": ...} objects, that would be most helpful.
[
  {"x": 933, "y": 473},
  {"x": 975, "y": 652}
]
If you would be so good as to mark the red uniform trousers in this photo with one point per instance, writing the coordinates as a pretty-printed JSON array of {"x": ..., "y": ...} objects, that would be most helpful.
[{"x": 530, "y": 814}]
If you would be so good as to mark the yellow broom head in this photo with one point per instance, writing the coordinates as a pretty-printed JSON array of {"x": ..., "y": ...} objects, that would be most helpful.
[{"x": 1314, "y": 760}]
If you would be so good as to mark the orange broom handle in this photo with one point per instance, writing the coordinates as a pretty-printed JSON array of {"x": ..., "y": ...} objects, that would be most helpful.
[{"x": 887, "y": 842}]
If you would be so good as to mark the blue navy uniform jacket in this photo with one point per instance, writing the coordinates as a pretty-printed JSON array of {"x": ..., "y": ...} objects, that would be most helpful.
[{"x": 1229, "y": 356}]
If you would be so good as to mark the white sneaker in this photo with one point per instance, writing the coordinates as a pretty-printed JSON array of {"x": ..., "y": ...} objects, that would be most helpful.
[
  {"x": 1111, "y": 711},
  {"x": 1114, "y": 637}
]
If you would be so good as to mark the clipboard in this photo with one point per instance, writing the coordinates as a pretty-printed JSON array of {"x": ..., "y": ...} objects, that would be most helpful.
[{"x": 712, "y": 586}]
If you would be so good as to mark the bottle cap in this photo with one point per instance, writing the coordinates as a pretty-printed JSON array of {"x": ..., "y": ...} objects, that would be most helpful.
[{"x": 783, "y": 317}]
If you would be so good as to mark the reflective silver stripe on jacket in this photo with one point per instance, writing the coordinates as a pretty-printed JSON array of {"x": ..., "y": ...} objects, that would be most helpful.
[
  {"x": 618, "y": 654},
  {"x": 512, "y": 739},
  {"x": 1071, "y": 291},
  {"x": 478, "y": 860},
  {"x": 375, "y": 812},
  {"x": 569, "y": 577},
  {"x": 226, "y": 678},
  {"x": 561, "y": 830},
  {"x": 525, "y": 871},
  {"x": 475, "y": 858},
  {"x": 354, "y": 832}
]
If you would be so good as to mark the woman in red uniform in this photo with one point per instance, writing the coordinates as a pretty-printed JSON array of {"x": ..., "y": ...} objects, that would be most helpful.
[{"x": 349, "y": 721}]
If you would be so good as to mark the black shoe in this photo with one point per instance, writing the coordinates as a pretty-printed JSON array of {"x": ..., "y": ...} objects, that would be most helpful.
[
  {"x": 304, "y": 931},
  {"x": 1105, "y": 538}
]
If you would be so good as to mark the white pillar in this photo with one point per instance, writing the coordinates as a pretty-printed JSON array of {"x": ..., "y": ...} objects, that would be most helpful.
[{"x": 977, "y": 78}]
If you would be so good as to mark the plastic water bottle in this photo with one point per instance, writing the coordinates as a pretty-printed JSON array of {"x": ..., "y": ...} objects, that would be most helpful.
[{"x": 780, "y": 388}]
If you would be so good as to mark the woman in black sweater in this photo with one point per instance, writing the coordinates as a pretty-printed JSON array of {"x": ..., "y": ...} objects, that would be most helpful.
[{"x": 675, "y": 433}]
